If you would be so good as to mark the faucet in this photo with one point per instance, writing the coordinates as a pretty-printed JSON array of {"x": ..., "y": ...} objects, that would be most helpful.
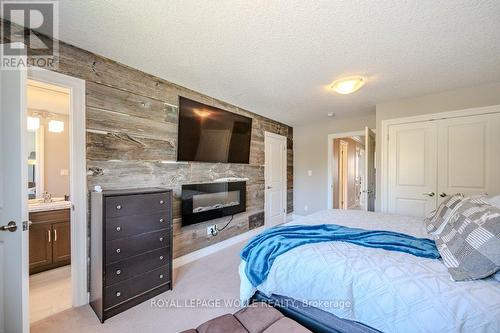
[{"x": 47, "y": 197}]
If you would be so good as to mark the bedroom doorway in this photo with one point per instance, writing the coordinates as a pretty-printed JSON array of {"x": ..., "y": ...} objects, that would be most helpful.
[
  {"x": 351, "y": 170},
  {"x": 18, "y": 164}
]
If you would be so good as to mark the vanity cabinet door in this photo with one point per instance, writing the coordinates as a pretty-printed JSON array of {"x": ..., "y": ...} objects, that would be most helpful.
[
  {"x": 40, "y": 239},
  {"x": 61, "y": 242}
]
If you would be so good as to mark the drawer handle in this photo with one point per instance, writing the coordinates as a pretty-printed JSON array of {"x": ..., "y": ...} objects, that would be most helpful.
[
  {"x": 118, "y": 228},
  {"x": 118, "y": 250},
  {"x": 118, "y": 207},
  {"x": 161, "y": 257},
  {"x": 118, "y": 271},
  {"x": 118, "y": 294},
  {"x": 161, "y": 239},
  {"x": 161, "y": 276},
  {"x": 162, "y": 220},
  {"x": 162, "y": 202}
]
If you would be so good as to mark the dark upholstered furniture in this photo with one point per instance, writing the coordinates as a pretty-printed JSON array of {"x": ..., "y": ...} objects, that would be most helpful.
[{"x": 257, "y": 318}]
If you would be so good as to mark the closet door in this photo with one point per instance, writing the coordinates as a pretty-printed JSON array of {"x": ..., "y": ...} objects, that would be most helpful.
[
  {"x": 469, "y": 155},
  {"x": 412, "y": 168}
]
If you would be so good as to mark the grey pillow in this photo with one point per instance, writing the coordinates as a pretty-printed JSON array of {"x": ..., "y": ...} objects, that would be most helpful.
[
  {"x": 436, "y": 220},
  {"x": 470, "y": 241},
  {"x": 495, "y": 201}
]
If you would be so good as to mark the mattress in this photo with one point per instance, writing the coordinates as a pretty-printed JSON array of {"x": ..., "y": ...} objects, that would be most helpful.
[{"x": 389, "y": 291}]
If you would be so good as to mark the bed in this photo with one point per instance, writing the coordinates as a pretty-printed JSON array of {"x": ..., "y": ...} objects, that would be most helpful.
[{"x": 384, "y": 290}]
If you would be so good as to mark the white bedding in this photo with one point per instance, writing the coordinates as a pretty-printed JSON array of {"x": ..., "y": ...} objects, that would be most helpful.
[{"x": 389, "y": 291}]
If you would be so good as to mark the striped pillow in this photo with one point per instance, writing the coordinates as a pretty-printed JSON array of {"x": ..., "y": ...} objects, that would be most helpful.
[
  {"x": 470, "y": 241},
  {"x": 437, "y": 219}
]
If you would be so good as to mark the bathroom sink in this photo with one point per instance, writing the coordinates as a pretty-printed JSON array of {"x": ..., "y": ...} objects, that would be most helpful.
[{"x": 37, "y": 205}]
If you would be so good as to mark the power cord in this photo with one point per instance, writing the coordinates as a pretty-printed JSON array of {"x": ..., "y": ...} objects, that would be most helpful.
[{"x": 216, "y": 230}]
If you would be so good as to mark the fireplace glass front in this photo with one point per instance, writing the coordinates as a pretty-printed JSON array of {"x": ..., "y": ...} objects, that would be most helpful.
[{"x": 203, "y": 202}]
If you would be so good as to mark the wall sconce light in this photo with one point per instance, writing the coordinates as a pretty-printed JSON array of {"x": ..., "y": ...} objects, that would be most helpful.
[
  {"x": 56, "y": 126},
  {"x": 33, "y": 124}
]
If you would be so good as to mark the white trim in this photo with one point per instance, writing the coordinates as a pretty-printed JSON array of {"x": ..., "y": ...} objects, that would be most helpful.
[
  {"x": 384, "y": 181},
  {"x": 329, "y": 189},
  {"x": 190, "y": 257},
  {"x": 284, "y": 174},
  {"x": 78, "y": 178},
  {"x": 40, "y": 160}
]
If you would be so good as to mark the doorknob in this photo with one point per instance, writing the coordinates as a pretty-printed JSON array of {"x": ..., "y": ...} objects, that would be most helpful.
[
  {"x": 443, "y": 195},
  {"x": 430, "y": 194},
  {"x": 11, "y": 226},
  {"x": 269, "y": 187}
]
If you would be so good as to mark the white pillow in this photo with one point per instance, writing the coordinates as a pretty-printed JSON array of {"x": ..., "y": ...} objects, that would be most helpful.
[{"x": 495, "y": 201}]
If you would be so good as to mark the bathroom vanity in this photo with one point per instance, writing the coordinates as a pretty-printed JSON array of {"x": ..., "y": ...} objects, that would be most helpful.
[{"x": 50, "y": 236}]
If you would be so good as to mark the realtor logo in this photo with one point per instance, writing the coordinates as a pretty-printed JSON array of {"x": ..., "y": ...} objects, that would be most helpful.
[{"x": 35, "y": 25}]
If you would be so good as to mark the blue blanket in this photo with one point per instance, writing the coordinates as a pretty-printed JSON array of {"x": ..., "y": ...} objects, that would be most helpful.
[{"x": 263, "y": 249}]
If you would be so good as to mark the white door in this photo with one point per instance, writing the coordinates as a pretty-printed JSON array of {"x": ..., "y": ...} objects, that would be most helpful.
[
  {"x": 14, "y": 276},
  {"x": 275, "y": 179},
  {"x": 469, "y": 155},
  {"x": 412, "y": 168},
  {"x": 369, "y": 179}
]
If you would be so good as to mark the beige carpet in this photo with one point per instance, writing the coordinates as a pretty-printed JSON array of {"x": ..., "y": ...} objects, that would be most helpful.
[{"x": 212, "y": 281}]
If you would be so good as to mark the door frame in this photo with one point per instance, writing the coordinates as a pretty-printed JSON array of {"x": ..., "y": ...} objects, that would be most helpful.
[
  {"x": 331, "y": 137},
  {"x": 78, "y": 178},
  {"x": 343, "y": 174},
  {"x": 284, "y": 173},
  {"x": 384, "y": 179}
]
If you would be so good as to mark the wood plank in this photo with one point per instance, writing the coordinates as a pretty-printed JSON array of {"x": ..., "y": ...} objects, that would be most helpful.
[
  {"x": 103, "y": 97},
  {"x": 108, "y": 121},
  {"x": 136, "y": 174},
  {"x": 119, "y": 146}
]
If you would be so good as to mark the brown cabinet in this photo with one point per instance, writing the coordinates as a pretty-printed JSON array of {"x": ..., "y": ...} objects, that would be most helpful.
[
  {"x": 61, "y": 245},
  {"x": 49, "y": 240},
  {"x": 130, "y": 248}
]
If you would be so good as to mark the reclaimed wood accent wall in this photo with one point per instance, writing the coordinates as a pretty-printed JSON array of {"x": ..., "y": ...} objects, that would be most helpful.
[{"x": 132, "y": 141}]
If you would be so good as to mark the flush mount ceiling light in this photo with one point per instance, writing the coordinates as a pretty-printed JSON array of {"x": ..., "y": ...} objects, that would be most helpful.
[
  {"x": 56, "y": 126},
  {"x": 348, "y": 85},
  {"x": 33, "y": 124}
]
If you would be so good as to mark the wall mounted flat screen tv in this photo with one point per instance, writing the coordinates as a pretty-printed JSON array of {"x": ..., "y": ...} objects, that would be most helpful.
[{"x": 209, "y": 134}]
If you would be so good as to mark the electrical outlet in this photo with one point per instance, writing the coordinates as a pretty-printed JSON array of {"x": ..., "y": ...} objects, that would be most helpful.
[
  {"x": 212, "y": 230},
  {"x": 306, "y": 208}
]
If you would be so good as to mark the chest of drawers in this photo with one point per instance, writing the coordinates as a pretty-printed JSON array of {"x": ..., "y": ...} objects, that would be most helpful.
[{"x": 130, "y": 248}]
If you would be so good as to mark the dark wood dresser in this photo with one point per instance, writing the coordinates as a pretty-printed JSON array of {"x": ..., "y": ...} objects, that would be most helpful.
[{"x": 130, "y": 248}]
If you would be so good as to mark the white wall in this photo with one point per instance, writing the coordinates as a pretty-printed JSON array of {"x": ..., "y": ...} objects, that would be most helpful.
[
  {"x": 464, "y": 98},
  {"x": 57, "y": 158},
  {"x": 310, "y": 151}
]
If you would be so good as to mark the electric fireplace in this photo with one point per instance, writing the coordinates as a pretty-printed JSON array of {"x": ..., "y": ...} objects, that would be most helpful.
[{"x": 203, "y": 202}]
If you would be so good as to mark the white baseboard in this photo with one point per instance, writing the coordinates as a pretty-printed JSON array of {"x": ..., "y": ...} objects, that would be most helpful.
[{"x": 190, "y": 257}]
